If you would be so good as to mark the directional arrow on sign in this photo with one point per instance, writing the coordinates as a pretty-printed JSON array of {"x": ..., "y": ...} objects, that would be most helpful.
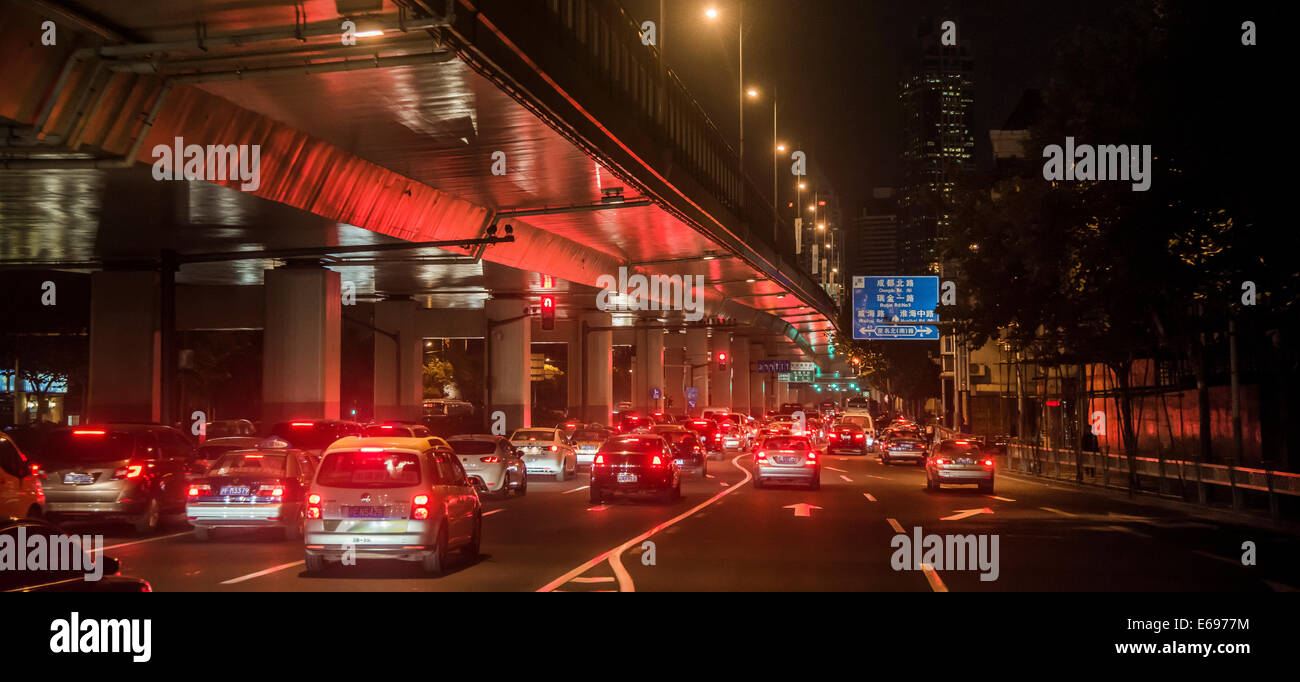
[
  {"x": 802, "y": 509},
  {"x": 966, "y": 513}
]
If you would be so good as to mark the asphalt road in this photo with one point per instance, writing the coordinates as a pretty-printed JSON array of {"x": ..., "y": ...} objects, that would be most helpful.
[{"x": 726, "y": 535}]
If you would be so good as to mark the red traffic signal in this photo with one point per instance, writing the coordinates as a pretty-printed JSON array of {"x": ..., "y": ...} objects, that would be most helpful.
[
  {"x": 722, "y": 362},
  {"x": 548, "y": 313}
]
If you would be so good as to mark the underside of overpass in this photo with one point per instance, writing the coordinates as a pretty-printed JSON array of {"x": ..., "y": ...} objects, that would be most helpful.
[{"x": 449, "y": 122}]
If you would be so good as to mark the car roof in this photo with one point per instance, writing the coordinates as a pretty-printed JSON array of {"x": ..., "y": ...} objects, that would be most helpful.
[
  {"x": 476, "y": 436},
  {"x": 411, "y": 444}
]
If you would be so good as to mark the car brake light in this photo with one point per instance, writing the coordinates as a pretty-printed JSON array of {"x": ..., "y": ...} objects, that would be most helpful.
[
  {"x": 600, "y": 459},
  {"x": 420, "y": 504},
  {"x": 313, "y": 506},
  {"x": 963, "y": 442},
  {"x": 554, "y": 448},
  {"x": 762, "y": 457},
  {"x": 656, "y": 461},
  {"x": 859, "y": 436},
  {"x": 196, "y": 490},
  {"x": 270, "y": 490},
  {"x": 38, "y": 471},
  {"x": 940, "y": 461},
  {"x": 129, "y": 471},
  {"x": 372, "y": 449},
  {"x": 489, "y": 460},
  {"x": 988, "y": 462},
  {"x": 88, "y": 432},
  {"x": 300, "y": 424}
]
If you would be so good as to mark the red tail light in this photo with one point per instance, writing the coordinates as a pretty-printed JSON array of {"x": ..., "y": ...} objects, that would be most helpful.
[
  {"x": 600, "y": 459},
  {"x": 656, "y": 461},
  {"x": 812, "y": 455},
  {"x": 420, "y": 507},
  {"x": 835, "y": 436},
  {"x": 489, "y": 460},
  {"x": 554, "y": 448},
  {"x": 88, "y": 432},
  {"x": 38, "y": 471},
  {"x": 762, "y": 457},
  {"x": 129, "y": 471},
  {"x": 988, "y": 462},
  {"x": 300, "y": 424},
  {"x": 197, "y": 490},
  {"x": 940, "y": 461},
  {"x": 270, "y": 490},
  {"x": 313, "y": 506},
  {"x": 859, "y": 436}
]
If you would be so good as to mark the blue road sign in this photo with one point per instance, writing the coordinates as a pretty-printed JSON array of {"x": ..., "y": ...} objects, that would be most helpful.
[
  {"x": 773, "y": 366},
  {"x": 898, "y": 299},
  {"x": 692, "y": 397},
  {"x": 656, "y": 394},
  {"x": 896, "y": 332}
]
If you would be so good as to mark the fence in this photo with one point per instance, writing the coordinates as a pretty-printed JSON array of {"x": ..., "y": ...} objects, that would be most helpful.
[{"x": 1172, "y": 476}]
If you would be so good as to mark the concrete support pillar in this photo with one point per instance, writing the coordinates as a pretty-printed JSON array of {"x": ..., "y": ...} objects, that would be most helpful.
[
  {"x": 697, "y": 361},
  {"x": 599, "y": 369},
  {"x": 510, "y": 361},
  {"x": 125, "y": 348},
  {"x": 757, "y": 381},
  {"x": 300, "y": 344},
  {"x": 647, "y": 369},
  {"x": 720, "y": 381},
  {"x": 782, "y": 393},
  {"x": 399, "y": 363},
  {"x": 675, "y": 373},
  {"x": 577, "y": 368},
  {"x": 740, "y": 375}
]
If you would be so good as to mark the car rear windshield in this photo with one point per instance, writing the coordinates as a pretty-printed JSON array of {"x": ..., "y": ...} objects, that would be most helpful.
[
  {"x": 90, "y": 445},
  {"x": 237, "y": 463},
  {"x": 697, "y": 426},
  {"x": 305, "y": 435},
  {"x": 634, "y": 444},
  {"x": 858, "y": 420},
  {"x": 369, "y": 470},
  {"x": 215, "y": 451},
  {"x": 786, "y": 444},
  {"x": 677, "y": 437},
  {"x": 589, "y": 435},
  {"x": 473, "y": 447},
  {"x": 534, "y": 434},
  {"x": 959, "y": 448}
]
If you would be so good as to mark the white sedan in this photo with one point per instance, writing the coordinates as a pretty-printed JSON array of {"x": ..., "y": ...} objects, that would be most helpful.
[
  {"x": 546, "y": 452},
  {"x": 493, "y": 461}
]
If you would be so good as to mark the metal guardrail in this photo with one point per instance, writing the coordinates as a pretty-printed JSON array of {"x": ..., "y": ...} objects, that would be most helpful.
[{"x": 1102, "y": 468}]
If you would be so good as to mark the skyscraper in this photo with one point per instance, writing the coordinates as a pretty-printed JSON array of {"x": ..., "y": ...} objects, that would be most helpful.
[
  {"x": 873, "y": 247},
  {"x": 936, "y": 100}
]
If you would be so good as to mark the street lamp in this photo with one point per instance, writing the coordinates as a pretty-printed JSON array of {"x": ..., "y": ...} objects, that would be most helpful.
[{"x": 712, "y": 13}]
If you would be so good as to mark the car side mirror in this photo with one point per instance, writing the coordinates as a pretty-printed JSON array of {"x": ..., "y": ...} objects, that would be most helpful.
[{"x": 111, "y": 565}]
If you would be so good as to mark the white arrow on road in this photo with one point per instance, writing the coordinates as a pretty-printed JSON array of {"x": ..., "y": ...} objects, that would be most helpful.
[
  {"x": 966, "y": 513},
  {"x": 802, "y": 509}
]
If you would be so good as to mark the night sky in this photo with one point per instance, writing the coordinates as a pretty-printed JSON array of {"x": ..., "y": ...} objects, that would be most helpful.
[{"x": 837, "y": 63}]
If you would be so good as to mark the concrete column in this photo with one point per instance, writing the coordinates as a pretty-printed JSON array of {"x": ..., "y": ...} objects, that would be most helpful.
[
  {"x": 757, "y": 381},
  {"x": 782, "y": 393},
  {"x": 720, "y": 381},
  {"x": 510, "y": 361},
  {"x": 697, "y": 361},
  {"x": 399, "y": 364},
  {"x": 675, "y": 372},
  {"x": 125, "y": 348},
  {"x": 740, "y": 374},
  {"x": 647, "y": 368},
  {"x": 599, "y": 369},
  {"x": 300, "y": 344},
  {"x": 577, "y": 370}
]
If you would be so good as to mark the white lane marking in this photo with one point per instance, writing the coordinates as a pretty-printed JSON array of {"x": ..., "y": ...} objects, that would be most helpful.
[
  {"x": 625, "y": 583},
  {"x": 1058, "y": 511},
  {"x": 709, "y": 476},
  {"x": 932, "y": 577},
  {"x": 575, "y": 490},
  {"x": 840, "y": 470},
  {"x": 883, "y": 478},
  {"x": 1226, "y": 560},
  {"x": 869, "y": 497},
  {"x": 259, "y": 574},
  {"x": 846, "y": 478},
  {"x": 141, "y": 542},
  {"x": 966, "y": 514},
  {"x": 598, "y": 579},
  {"x": 1003, "y": 499},
  {"x": 494, "y": 511},
  {"x": 725, "y": 484},
  {"x": 1130, "y": 531},
  {"x": 893, "y": 523},
  {"x": 598, "y": 508}
]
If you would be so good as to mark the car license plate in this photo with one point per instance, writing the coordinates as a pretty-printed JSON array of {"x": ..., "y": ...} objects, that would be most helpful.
[
  {"x": 78, "y": 479},
  {"x": 234, "y": 490},
  {"x": 965, "y": 461},
  {"x": 787, "y": 460},
  {"x": 365, "y": 512},
  {"x": 627, "y": 478},
  {"x": 680, "y": 462}
]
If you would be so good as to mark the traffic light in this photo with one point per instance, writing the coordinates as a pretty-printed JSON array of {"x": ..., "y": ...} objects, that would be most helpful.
[
  {"x": 722, "y": 362},
  {"x": 548, "y": 313}
]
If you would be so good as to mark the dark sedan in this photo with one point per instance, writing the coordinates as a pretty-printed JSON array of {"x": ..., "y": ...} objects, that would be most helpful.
[{"x": 641, "y": 464}]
